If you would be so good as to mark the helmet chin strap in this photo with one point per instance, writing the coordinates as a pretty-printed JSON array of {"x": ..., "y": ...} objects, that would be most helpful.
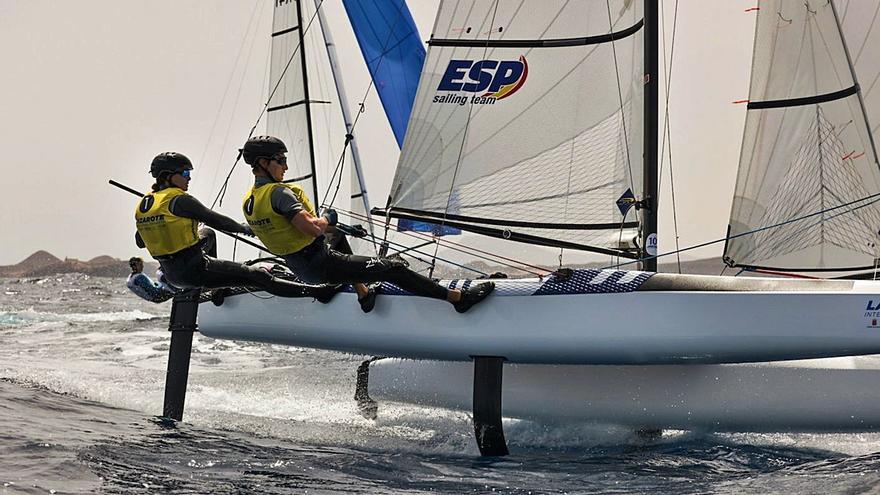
[{"x": 266, "y": 171}]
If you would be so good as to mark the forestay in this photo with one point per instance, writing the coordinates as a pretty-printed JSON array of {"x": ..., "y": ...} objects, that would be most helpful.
[
  {"x": 528, "y": 122},
  {"x": 807, "y": 146}
]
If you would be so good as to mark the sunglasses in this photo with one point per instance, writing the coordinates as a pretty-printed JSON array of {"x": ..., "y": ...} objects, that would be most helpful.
[
  {"x": 185, "y": 174},
  {"x": 280, "y": 159}
]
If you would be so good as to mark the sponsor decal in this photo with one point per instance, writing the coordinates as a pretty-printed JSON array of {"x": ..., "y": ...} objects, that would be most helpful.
[
  {"x": 481, "y": 82},
  {"x": 651, "y": 247},
  {"x": 872, "y": 313},
  {"x": 151, "y": 219},
  {"x": 626, "y": 201}
]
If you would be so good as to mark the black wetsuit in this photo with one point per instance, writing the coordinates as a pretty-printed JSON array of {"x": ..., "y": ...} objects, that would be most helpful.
[
  {"x": 320, "y": 263},
  {"x": 197, "y": 266}
]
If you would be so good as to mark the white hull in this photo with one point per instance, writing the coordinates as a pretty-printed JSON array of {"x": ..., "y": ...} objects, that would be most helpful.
[
  {"x": 767, "y": 397},
  {"x": 640, "y": 327}
]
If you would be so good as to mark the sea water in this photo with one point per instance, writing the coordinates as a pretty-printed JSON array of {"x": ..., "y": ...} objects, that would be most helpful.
[{"x": 82, "y": 370}]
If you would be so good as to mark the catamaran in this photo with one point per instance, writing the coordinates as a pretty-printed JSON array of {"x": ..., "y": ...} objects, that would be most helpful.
[{"x": 539, "y": 126}]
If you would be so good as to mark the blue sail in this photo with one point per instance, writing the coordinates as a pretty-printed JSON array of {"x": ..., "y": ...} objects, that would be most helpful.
[
  {"x": 394, "y": 53},
  {"x": 393, "y": 50}
]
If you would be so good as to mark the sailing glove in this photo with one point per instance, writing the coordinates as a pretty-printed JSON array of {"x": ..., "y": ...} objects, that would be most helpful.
[
  {"x": 331, "y": 216},
  {"x": 357, "y": 231},
  {"x": 246, "y": 230}
]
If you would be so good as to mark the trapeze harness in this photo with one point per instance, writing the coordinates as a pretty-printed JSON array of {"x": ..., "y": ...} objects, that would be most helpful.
[
  {"x": 270, "y": 206},
  {"x": 167, "y": 223}
]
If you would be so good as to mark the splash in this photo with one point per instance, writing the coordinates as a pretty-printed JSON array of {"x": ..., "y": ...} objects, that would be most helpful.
[{"x": 30, "y": 316}]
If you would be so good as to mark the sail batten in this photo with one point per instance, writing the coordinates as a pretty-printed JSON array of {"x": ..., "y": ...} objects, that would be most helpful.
[
  {"x": 539, "y": 43},
  {"x": 806, "y": 100}
]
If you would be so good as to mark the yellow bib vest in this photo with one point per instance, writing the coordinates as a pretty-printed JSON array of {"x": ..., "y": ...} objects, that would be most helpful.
[
  {"x": 276, "y": 231},
  {"x": 163, "y": 232}
]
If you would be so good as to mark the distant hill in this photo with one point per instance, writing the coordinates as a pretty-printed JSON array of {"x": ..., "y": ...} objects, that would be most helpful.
[
  {"x": 43, "y": 264},
  {"x": 38, "y": 260}
]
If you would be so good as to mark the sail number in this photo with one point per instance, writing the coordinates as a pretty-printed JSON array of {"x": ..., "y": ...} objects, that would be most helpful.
[{"x": 651, "y": 245}]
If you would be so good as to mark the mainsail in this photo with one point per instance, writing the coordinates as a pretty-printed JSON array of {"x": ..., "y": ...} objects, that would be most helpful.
[
  {"x": 528, "y": 123},
  {"x": 808, "y": 166}
]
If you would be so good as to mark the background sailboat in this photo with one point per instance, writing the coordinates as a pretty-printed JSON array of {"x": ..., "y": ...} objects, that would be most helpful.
[{"x": 809, "y": 141}]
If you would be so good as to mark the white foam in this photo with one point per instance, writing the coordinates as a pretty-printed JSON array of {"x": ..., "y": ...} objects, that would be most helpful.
[{"x": 30, "y": 315}]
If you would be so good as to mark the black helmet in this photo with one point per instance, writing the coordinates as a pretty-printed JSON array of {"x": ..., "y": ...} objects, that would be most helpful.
[
  {"x": 169, "y": 162},
  {"x": 134, "y": 261},
  {"x": 261, "y": 147}
]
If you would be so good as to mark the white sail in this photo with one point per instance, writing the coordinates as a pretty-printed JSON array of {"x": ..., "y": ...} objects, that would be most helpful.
[
  {"x": 304, "y": 109},
  {"x": 522, "y": 125},
  {"x": 288, "y": 111},
  {"x": 807, "y": 147},
  {"x": 860, "y": 22}
]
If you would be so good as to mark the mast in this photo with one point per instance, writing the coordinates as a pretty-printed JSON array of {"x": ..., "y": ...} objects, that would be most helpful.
[
  {"x": 307, "y": 102},
  {"x": 650, "y": 194},
  {"x": 346, "y": 117}
]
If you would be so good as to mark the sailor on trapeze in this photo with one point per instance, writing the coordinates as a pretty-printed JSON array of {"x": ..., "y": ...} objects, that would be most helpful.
[
  {"x": 282, "y": 216},
  {"x": 167, "y": 225}
]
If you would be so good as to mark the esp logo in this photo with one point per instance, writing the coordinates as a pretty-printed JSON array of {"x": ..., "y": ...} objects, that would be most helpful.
[{"x": 498, "y": 79}]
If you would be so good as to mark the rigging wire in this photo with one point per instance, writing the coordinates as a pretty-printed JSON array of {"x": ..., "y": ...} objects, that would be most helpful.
[
  {"x": 469, "y": 250},
  {"x": 467, "y": 124},
  {"x": 873, "y": 197},
  {"x": 406, "y": 249},
  {"x": 244, "y": 38},
  {"x": 234, "y": 106},
  {"x": 667, "y": 132},
  {"x": 620, "y": 98},
  {"x": 567, "y": 194},
  {"x": 620, "y": 237},
  {"x": 623, "y": 123},
  {"x": 222, "y": 192}
]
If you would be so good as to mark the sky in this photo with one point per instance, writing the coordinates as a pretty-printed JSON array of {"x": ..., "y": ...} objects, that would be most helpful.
[{"x": 93, "y": 89}]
